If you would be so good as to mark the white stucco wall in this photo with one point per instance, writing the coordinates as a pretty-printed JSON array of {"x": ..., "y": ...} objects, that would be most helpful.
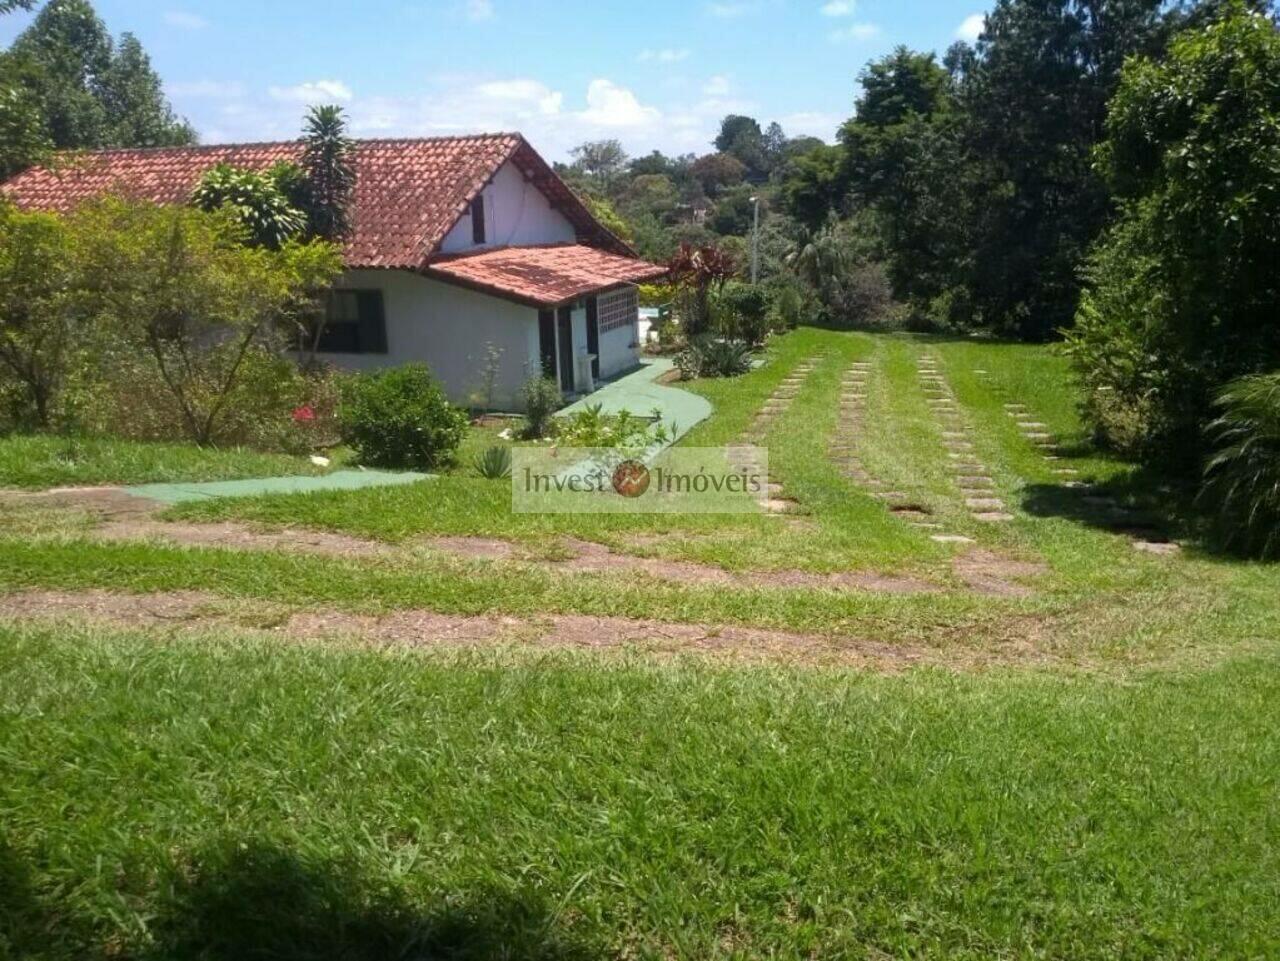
[
  {"x": 447, "y": 328},
  {"x": 616, "y": 353},
  {"x": 516, "y": 213}
]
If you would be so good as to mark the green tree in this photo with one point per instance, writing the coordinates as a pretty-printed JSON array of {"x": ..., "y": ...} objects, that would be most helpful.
[
  {"x": 1035, "y": 100},
  {"x": 256, "y": 201},
  {"x": 1184, "y": 291},
  {"x": 600, "y": 161},
  {"x": 716, "y": 171},
  {"x": 328, "y": 159},
  {"x": 177, "y": 291},
  {"x": 741, "y": 137},
  {"x": 91, "y": 94},
  {"x": 39, "y": 322},
  {"x": 23, "y": 140}
]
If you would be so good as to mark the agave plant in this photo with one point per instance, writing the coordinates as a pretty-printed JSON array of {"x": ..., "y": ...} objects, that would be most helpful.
[
  {"x": 1243, "y": 475},
  {"x": 494, "y": 462}
]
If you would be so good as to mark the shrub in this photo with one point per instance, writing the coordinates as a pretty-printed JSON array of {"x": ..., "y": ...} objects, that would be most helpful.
[
  {"x": 592, "y": 427},
  {"x": 253, "y": 198},
  {"x": 493, "y": 463},
  {"x": 542, "y": 398},
  {"x": 744, "y": 311},
  {"x": 711, "y": 357},
  {"x": 1243, "y": 474},
  {"x": 1183, "y": 291},
  {"x": 400, "y": 418}
]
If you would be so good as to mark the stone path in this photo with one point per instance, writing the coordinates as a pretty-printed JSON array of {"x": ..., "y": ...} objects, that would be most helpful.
[
  {"x": 852, "y": 414},
  {"x": 773, "y": 499},
  {"x": 969, "y": 473}
]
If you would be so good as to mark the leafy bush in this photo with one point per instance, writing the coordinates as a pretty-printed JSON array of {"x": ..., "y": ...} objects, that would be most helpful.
[
  {"x": 542, "y": 398},
  {"x": 400, "y": 418},
  {"x": 255, "y": 199},
  {"x": 591, "y": 427},
  {"x": 493, "y": 463},
  {"x": 743, "y": 311},
  {"x": 1243, "y": 475},
  {"x": 712, "y": 357},
  {"x": 1183, "y": 292}
]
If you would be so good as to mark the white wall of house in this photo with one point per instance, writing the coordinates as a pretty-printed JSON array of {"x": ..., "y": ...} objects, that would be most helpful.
[
  {"x": 616, "y": 351},
  {"x": 516, "y": 214},
  {"x": 448, "y": 328}
]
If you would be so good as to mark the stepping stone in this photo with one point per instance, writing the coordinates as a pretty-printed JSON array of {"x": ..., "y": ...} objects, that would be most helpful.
[
  {"x": 952, "y": 539},
  {"x": 954, "y": 435},
  {"x": 1066, "y": 472},
  {"x": 1037, "y": 436},
  {"x": 1033, "y": 425},
  {"x": 1163, "y": 548},
  {"x": 975, "y": 480},
  {"x": 778, "y": 505},
  {"x": 1077, "y": 486},
  {"x": 970, "y": 470},
  {"x": 993, "y": 517},
  {"x": 984, "y": 503},
  {"x": 978, "y": 371},
  {"x": 1015, "y": 406},
  {"x": 891, "y": 495}
]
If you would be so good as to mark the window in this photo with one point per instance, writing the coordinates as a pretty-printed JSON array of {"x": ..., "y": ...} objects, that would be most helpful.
[
  {"x": 355, "y": 323},
  {"x": 618, "y": 309},
  {"x": 477, "y": 220}
]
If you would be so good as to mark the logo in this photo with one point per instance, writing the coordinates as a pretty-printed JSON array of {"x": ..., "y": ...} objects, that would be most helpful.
[{"x": 631, "y": 478}]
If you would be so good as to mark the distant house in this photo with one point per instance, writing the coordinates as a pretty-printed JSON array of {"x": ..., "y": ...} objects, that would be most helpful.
[{"x": 459, "y": 243}]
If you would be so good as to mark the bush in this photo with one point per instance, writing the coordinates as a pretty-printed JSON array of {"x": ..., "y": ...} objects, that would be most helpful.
[
  {"x": 1183, "y": 292},
  {"x": 400, "y": 418},
  {"x": 711, "y": 357},
  {"x": 542, "y": 398},
  {"x": 493, "y": 463},
  {"x": 743, "y": 312},
  {"x": 592, "y": 427},
  {"x": 1243, "y": 475}
]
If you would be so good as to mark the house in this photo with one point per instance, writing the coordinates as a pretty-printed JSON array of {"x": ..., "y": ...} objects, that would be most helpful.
[{"x": 462, "y": 247}]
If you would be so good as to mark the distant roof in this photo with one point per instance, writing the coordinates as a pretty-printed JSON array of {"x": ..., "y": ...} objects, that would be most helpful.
[
  {"x": 544, "y": 275},
  {"x": 409, "y": 193}
]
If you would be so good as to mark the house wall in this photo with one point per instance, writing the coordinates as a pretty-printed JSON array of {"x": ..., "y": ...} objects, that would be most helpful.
[
  {"x": 447, "y": 328},
  {"x": 516, "y": 214}
]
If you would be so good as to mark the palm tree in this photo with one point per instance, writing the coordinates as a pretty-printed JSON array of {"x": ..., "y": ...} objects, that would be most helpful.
[{"x": 329, "y": 161}]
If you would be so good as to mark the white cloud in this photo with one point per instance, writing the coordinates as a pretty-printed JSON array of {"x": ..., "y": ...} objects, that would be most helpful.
[
  {"x": 717, "y": 86},
  {"x": 529, "y": 93},
  {"x": 729, "y": 9},
  {"x": 609, "y": 105},
  {"x": 971, "y": 28},
  {"x": 855, "y": 33},
  {"x": 811, "y": 123},
  {"x": 184, "y": 21},
  {"x": 312, "y": 92},
  {"x": 838, "y": 8},
  {"x": 478, "y": 11},
  {"x": 665, "y": 55}
]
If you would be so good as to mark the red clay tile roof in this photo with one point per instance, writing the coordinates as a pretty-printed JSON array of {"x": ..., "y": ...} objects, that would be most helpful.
[
  {"x": 544, "y": 276},
  {"x": 409, "y": 193}
]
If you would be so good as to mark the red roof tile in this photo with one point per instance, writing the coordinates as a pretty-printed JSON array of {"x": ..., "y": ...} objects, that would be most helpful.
[
  {"x": 409, "y": 193},
  {"x": 544, "y": 276}
]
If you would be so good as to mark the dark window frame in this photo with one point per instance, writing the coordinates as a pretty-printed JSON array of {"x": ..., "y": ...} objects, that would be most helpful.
[
  {"x": 477, "y": 220},
  {"x": 355, "y": 323}
]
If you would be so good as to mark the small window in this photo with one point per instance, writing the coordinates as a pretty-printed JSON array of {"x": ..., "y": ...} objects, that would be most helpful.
[
  {"x": 477, "y": 220},
  {"x": 355, "y": 323}
]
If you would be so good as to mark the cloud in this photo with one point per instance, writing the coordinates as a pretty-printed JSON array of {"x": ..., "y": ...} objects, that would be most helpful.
[
  {"x": 609, "y": 105},
  {"x": 184, "y": 21},
  {"x": 665, "y": 55},
  {"x": 838, "y": 8},
  {"x": 717, "y": 86},
  {"x": 530, "y": 93},
  {"x": 313, "y": 92},
  {"x": 855, "y": 33},
  {"x": 477, "y": 11},
  {"x": 971, "y": 27},
  {"x": 729, "y": 9}
]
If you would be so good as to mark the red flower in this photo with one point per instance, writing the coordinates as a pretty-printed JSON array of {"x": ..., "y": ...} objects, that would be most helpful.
[{"x": 304, "y": 414}]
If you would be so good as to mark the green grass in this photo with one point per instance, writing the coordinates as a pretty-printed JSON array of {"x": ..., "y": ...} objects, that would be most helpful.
[
  {"x": 224, "y": 799},
  {"x": 39, "y": 461}
]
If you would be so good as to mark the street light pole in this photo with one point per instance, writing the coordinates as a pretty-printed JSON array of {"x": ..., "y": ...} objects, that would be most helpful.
[{"x": 755, "y": 241}]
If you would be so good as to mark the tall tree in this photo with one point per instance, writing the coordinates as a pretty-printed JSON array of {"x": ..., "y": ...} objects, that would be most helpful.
[
  {"x": 1035, "y": 100},
  {"x": 741, "y": 138},
  {"x": 329, "y": 162},
  {"x": 601, "y": 161},
  {"x": 90, "y": 93},
  {"x": 8, "y": 6}
]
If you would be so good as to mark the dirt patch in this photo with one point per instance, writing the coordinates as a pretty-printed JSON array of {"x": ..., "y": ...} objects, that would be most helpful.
[
  {"x": 990, "y": 573},
  {"x": 107, "y": 502},
  {"x": 192, "y": 612},
  {"x": 471, "y": 548},
  {"x": 232, "y": 536}
]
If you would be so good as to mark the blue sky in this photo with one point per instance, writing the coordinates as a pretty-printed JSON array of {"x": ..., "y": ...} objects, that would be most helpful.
[{"x": 656, "y": 74}]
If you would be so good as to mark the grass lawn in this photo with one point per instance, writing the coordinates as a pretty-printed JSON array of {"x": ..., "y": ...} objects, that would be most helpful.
[
  {"x": 217, "y": 798},
  {"x": 41, "y": 461},
  {"x": 1089, "y": 770}
]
